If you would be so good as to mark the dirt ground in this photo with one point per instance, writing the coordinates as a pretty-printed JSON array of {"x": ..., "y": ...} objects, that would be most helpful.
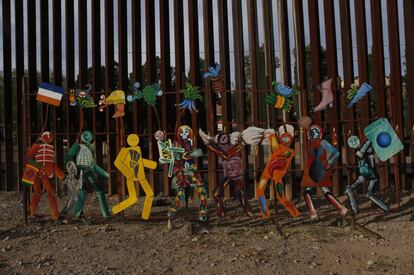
[{"x": 235, "y": 244}]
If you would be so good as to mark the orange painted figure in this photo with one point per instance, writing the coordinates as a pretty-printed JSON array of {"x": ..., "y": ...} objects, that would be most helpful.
[
  {"x": 44, "y": 154},
  {"x": 275, "y": 170}
]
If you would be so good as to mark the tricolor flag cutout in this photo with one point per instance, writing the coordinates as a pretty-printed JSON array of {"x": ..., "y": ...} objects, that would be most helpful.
[{"x": 50, "y": 94}]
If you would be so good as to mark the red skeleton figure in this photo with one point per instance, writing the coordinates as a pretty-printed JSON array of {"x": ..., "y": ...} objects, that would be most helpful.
[{"x": 44, "y": 154}]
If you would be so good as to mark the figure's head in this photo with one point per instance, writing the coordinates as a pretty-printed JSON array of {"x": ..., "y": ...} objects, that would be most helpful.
[
  {"x": 133, "y": 140},
  {"x": 46, "y": 137},
  {"x": 354, "y": 142},
  {"x": 315, "y": 133},
  {"x": 87, "y": 137},
  {"x": 185, "y": 132},
  {"x": 222, "y": 139},
  {"x": 159, "y": 135}
]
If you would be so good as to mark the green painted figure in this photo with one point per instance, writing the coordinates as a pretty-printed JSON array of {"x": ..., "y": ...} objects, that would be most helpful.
[{"x": 89, "y": 170}]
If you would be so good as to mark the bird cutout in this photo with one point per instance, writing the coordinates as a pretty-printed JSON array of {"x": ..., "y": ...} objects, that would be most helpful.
[
  {"x": 82, "y": 98},
  {"x": 327, "y": 97},
  {"x": 214, "y": 74},
  {"x": 149, "y": 93},
  {"x": 191, "y": 94},
  {"x": 355, "y": 94},
  {"x": 281, "y": 98}
]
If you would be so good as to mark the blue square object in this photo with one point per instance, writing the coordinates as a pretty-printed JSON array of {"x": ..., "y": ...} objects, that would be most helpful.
[{"x": 383, "y": 138}]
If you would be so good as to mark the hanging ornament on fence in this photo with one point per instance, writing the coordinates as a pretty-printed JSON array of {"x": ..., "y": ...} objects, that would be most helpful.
[
  {"x": 355, "y": 94},
  {"x": 327, "y": 97},
  {"x": 282, "y": 97}
]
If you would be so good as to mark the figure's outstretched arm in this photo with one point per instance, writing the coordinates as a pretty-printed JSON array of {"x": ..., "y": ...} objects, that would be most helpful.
[
  {"x": 150, "y": 164},
  {"x": 32, "y": 151}
]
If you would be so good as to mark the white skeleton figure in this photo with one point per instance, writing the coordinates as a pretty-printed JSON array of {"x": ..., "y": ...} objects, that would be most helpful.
[{"x": 73, "y": 186}]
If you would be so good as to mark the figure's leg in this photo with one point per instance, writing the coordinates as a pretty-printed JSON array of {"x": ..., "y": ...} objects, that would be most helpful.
[
  {"x": 201, "y": 190},
  {"x": 350, "y": 189},
  {"x": 51, "y": 197},
  {"x": 242, "y": 196},
  {"x": 370, "y": 195},
  {"x": 283, "y": 200},
  {"x": 132, "y": 198},
  {"x": 77, "y": 210},
  {"x": 260, "y": 193},
  {"x": 149, "y": 197},
  {"x": 307, "y": 193},
  {"x": 99, "y": 194},
  {"x": 180, "y": 197},
  {"x": 332, "y": 200},
  {"x": 217, "y": 195},
  {"x": 36, "y": 197}
]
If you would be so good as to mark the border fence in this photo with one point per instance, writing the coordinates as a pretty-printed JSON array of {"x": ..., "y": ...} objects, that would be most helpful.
[{"x": 299, "y": 43}]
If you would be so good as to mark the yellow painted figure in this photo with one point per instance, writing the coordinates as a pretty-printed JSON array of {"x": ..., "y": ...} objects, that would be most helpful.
[{"x": 131, "y": 164}]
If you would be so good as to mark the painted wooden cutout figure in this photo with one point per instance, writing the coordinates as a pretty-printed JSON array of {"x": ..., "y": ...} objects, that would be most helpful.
[
  {"x": 84, "y": 158},
  {"x": 279, "y": 162},
  {"x": 228, "y": 148},
  {"x": 366, "y": 173},
  {"x": 131, "y": 164},
  {"x": 321, "y": 155},
  {"x": 186, "y": 174},
  {"x": 73, "y": 184},
  {"x": 168, "y": 153},
  {"x": 44, "y": 154}
]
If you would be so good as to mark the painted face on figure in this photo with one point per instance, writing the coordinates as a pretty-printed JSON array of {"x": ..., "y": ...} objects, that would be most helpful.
[
  {"x": 87, "y": 137},
  {"x": 185, "y": 132},
  {"x": 354, "y": 142},
  {"x": 46, "y": 137}
]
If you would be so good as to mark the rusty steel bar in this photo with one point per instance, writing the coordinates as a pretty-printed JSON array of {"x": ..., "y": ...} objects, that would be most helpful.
[
  {"x": 122, "y": 79},
  {"x": 285, "y": 63},
  {"x": 378, "y": 83},
  {"x": 19, "y": 56},
  {"x": 109, "y": 86},
  {"x": 70, "y": 61},
  {"x": 240, "y": 77},
  {"x": 165, "y": 77},
  {"x": 97, "y": 77},
  {"x": 301, "y": 71},
  {"x": 362, "y": 52},
  {"x": 44, "y": 40},
  {"x": 83, "y": 43},
  {"x": 348, "y": 69},
  {"x": 253, "y": 59},
  {"x": 9, "y": 168},
  {"x": 270, "y": 68},
  {"x": 409, "y": 65},
  {"x": 334, "y": 113},
  {"x": 151, "y": 73},
  {"x": 315, "y": 52},
  {"x": 226, "y": 106},
  {"x": 136, "y": 56},
  {"x": 31, "y": 48},
  {"x": 194, "y": 73},
  {"x": 57, "y": 75},
  {"x": 395, "y": 99},
  {"x": 210, "y": 96}
]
